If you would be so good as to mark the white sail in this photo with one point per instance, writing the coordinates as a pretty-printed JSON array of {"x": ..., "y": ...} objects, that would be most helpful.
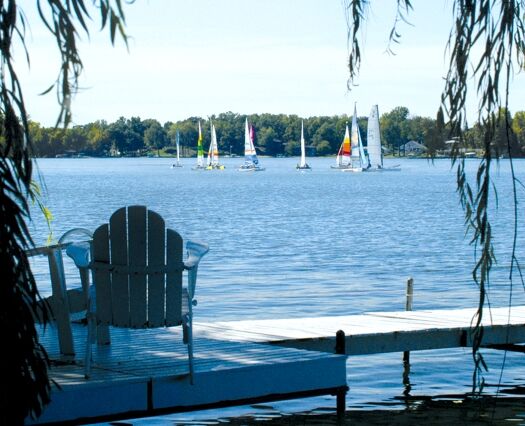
[
  {"x": 375, "y": 154},
  {"x": 303, "y": 150},
  {"x": 251, "y": 162},
  {"x": 178, "y": 147},
  {"x": 177, "y": 142},
  {"x": 358, "y": 157},
  {"x": 213, "y": 152},
  {"x": 214, "y": 147},
  {"x": 249, "y": 149},
  {"x": 302, "y": 163}
]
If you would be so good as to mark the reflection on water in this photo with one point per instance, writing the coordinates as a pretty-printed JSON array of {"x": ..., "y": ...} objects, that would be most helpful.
[{"x": 286, "y": 244}]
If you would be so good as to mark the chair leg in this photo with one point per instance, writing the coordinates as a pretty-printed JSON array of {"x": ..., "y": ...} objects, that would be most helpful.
[
  {"x": 187, "y": 338},
  {"x": 190, "y": 354},
  {"x": 89, "y": 342}
]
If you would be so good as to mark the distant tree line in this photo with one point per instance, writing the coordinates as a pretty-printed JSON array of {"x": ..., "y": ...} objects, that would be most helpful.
[{"x": 276, "y": 134}]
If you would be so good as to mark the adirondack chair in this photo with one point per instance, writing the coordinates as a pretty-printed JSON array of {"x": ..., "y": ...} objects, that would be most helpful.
[{"x": 136, "y": 266}]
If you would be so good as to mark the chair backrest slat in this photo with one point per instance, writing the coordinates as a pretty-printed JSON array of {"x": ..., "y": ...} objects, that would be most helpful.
[
  {"x": 131, "y": 259},
  {"x": 102, "y": 277},
  {"x": 119, "y": 255},
  {"x": 156, "y": 282},
  {"x": 173, "y": 279},
  {"x": 137, "y": 237}
]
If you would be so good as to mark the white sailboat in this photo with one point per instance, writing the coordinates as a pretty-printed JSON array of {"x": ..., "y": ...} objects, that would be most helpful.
[
  {"x": 251, "y": 162},
  {"x": 302, "y": 163},
  {"x": 358, "y": 159},
  {"x": 375, "y": 151},
  {"x": 177, "y": 142},
  {"x": 213, "y": 153},
  {"x": 200, "y": 152}
]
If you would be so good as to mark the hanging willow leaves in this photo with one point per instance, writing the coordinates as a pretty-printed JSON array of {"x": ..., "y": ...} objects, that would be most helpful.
[
  {"x": 24, "y": 384},
  {"x": 496, "y": 29}
]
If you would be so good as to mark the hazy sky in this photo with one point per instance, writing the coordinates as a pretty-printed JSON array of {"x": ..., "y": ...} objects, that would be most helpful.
[{"x": 204, "y": 57}]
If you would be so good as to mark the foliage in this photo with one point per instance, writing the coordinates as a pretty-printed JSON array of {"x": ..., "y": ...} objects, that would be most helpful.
[
  {"x": 25, "y": 384},
  {"x": 495, "y": 29},
  {"x": 155, "y": 136},
  {"x": 273, "y": 134}
]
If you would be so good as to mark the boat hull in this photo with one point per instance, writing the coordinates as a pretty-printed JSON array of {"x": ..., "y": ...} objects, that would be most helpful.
[
  {"x": 384, "y": 169},
  {"x": 251, "y": 168}
]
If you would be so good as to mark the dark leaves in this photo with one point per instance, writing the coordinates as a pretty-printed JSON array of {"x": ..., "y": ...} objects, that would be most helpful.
[
  {"x": 487, "y": 38},
  {"x": 25, "y": 386}
]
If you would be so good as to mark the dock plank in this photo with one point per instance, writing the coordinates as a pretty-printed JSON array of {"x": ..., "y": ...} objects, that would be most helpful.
[{"x": 377, "y": 332}]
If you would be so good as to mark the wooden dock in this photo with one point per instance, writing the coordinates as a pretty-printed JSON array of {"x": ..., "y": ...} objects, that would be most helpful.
[
  {"x": 377, "y": 332},
  {"x": 144, "y": 373}
]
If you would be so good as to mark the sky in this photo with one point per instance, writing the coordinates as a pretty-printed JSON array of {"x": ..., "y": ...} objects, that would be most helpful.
[{"x": 205, "y": 57}]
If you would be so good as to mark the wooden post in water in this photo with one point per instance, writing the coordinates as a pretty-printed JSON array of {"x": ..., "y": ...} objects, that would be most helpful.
[
  {"x": 408, "y": 307},
  {"x": 406, "y": 354},
  {"x": 410, "y": 294},
  {"x": 340, "y": 348}
]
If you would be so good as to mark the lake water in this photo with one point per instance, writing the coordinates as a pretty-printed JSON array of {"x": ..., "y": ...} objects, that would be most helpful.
[{"x": 287, "y": 244}]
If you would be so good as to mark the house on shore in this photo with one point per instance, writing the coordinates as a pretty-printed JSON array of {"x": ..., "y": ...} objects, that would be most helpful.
[{"x": 413, "y": 148}]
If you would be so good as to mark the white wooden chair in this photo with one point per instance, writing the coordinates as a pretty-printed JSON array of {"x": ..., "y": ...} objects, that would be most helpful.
[{"x": 137, "y": 267}]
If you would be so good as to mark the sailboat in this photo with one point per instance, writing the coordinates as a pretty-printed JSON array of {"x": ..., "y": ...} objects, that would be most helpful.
[
  {"x": 200, "y": 152},
  {"x": 213, "y": 153},
  {"x": 177, "y": 141},
  {"x": 375, "y": 152},
  {"x": 251, "y": 162},
  {"x": 342, "y": 161},
  {"x": 302, "y": 164},
  {"x": 358, "y": 160}
]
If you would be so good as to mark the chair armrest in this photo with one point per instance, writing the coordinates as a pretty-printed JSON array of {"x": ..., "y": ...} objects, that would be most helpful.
[
  {"x": 76, "y": 232},
  {"x": 78, "y": 242},
  {"x": 80, "y": 253},
  {"x": 196, "y": 250}
]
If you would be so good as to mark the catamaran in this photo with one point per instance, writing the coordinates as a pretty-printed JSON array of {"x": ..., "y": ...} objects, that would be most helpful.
[
  {"x": 302, "y": 164},
  {"x": 375, "y": 152},
  {"x": 213, "y": 153},
  {"x": 251, "y": 162},
  {"x": 342, "y": 161},
  {"x": 177, "y": 142},
  {"x": 358, "y": 159},
  {"x": 200, "y": 152}
]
